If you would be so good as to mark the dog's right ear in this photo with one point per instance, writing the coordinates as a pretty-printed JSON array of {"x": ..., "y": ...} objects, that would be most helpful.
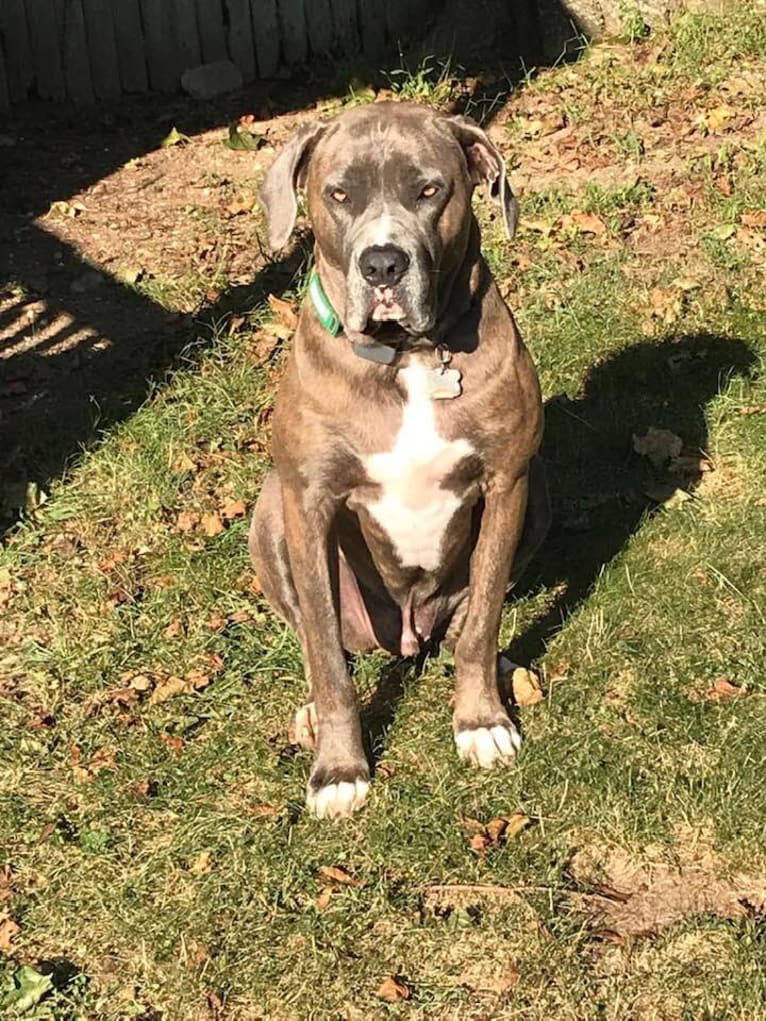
[{"x": 283, "y": 179}]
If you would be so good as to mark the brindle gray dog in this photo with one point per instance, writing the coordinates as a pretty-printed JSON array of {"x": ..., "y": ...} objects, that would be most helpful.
[{"x": 407, "y": 494}]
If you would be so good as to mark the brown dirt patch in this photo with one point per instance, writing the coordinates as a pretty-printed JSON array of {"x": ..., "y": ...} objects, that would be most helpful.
[{"x": 628, "y": 897}]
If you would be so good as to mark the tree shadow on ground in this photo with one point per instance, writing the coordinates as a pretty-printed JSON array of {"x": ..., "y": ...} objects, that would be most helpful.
[{"x": 59, "y": 394}]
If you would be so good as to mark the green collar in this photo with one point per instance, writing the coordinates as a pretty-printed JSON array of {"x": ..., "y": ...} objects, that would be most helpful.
[
  {"x": 328, "y": 317},
  {"x": 383, "y": 354}
]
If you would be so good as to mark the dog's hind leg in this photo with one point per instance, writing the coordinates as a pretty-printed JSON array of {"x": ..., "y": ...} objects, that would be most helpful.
[{"x": 268, "y": 553}]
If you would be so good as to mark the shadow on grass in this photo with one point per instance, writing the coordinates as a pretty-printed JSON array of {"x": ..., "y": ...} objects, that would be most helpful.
[{"x": 598, "y": 483}]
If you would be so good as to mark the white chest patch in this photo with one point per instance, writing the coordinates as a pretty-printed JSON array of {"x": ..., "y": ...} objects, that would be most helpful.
[{"x": 412, "y": 507}]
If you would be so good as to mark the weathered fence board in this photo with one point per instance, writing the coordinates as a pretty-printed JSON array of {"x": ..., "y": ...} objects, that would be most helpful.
[
  {"x": 372, "y": 28},
  {"x": 294, "y": 41},
  {"x": 18, "y": 53},
  {"x": 79, "y": 84},
  {"x": 5, "y": 99},
  {"x": 45, "y": 19},
  {"x": 131, "y": 48},
  {"x": 346, "y": 28},
  {"x": 266, "y": 36},
  {"x": 187, "y": 34},
  {"x": 240, "y": 38},
  {"x": 211, "y": 30},
  {"x": 319, "y": 25},
  {"x": 104, "y": 67},
  {"x": 402, "y": 16},
  {"x": 161, "y": 54}
]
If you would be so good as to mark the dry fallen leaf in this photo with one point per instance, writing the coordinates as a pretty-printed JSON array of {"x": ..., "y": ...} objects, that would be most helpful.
[
  {"x": 264, "y": 345},
  {"x": 516, "y": 823},
  {"x": 284, "y": 311},
  {"x": 496, "y": 832},
  {"x": 201, "y": 864},
  {"x": 392, "y": 990},
  {"x": 6, "y": 877},
  {"x": 215, "y": 662},
  {"x": 496, "y": 828},
  {"x": 717, "y": 117},
  {"x": 175, "y": 744},
  {"x": 754, "y": 218},
  {"x": 140, "y": 682},
  {"x": 8, "y": 930},
  {"x": 241, "y": 203},
  {"x": 479, "y": 842},
  {"x": 102, "y": 759},
  {"x": 586, "y": 223},
  {"x": 559, "y": 673},
  {"x": 212, "y": 524},
  {"x": 187, "y": 521},
  {"x": 525, "y": 685},
  {"x": 666, "y": 304},
  {"x": 324, "y": 898},
  {"x": 264, "y": 811},
  {"x": 233, "y": 509},
  {"x": 168, "y": 688},
  {"x": 108, "y": 564},
  {"x": 173, "y": 630},
  {"x": 197, "y": 679},
  {"x": 336, "y": 874},
  {"x": 508, "y": 978},
  {"x": 658, "y": 445},
  {"x": 723, "y": 690}
]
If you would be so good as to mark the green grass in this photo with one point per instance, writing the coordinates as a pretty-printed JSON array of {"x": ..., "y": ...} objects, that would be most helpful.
[{"x": 159, "y": 849}]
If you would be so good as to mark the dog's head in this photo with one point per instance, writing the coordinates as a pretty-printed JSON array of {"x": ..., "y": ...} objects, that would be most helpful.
[{"x": 389, "y": 197}]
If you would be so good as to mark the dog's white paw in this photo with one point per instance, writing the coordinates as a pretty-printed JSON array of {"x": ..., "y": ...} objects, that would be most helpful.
[
  {"x": 337, "y": 800},
  {"x": 484, "y": 746},
  {"x": 303, "y": 729}
]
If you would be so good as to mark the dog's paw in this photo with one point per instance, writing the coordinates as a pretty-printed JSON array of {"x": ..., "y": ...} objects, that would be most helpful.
[
  {"x": 485, "y": 746},
  {"x": 303, "y": 728},
  {"x": 336, "y": 793}
]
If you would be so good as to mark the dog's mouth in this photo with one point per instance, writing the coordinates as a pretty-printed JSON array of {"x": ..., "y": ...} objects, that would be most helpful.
[
  {"x": 386, "y": 310},
  {"x": 386, "y": 307}
]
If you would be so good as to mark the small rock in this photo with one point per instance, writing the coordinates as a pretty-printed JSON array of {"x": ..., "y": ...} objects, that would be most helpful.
[{"x": 210, "y": 80}]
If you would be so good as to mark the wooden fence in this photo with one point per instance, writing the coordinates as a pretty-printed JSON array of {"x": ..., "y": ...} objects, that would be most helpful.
[{"x": 89, "y": 50}]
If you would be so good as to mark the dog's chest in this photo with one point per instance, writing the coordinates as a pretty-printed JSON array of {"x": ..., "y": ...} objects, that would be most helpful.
[{"x": 412, "y": 506}]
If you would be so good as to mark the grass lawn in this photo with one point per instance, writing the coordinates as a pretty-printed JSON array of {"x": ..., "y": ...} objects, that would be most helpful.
[{"x": 156, "y": 862}]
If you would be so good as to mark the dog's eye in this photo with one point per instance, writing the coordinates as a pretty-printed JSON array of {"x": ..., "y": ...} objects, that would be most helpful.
[
  {"x": 339, "y": 195},
  {"x": 429, "y": 191}
]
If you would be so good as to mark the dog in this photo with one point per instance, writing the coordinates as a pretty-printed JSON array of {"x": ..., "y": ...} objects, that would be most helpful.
[{"x": 407, "y": 493}]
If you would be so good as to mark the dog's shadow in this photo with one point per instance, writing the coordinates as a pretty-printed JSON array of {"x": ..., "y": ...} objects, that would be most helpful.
[{"x": 599, "y": 486}]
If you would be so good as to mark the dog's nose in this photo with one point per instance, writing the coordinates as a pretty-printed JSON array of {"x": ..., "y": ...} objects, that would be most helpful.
[{"x": 383, "y": 265}]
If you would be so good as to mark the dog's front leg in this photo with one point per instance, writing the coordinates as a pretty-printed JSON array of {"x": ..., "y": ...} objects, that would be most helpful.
[
  {"x": 340, "y": 774},
  {"x": 484, "y": 734}
]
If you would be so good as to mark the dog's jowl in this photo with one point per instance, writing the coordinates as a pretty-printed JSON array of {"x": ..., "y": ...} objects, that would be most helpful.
[{"x": 407, "y": 494}]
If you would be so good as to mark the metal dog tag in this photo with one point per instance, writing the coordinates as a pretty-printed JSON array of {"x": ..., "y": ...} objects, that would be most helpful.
[{"x": 444, "y": 384}]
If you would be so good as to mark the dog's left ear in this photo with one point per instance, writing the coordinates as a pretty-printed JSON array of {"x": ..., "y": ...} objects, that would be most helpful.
[{"x": 486, "y": 166}]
